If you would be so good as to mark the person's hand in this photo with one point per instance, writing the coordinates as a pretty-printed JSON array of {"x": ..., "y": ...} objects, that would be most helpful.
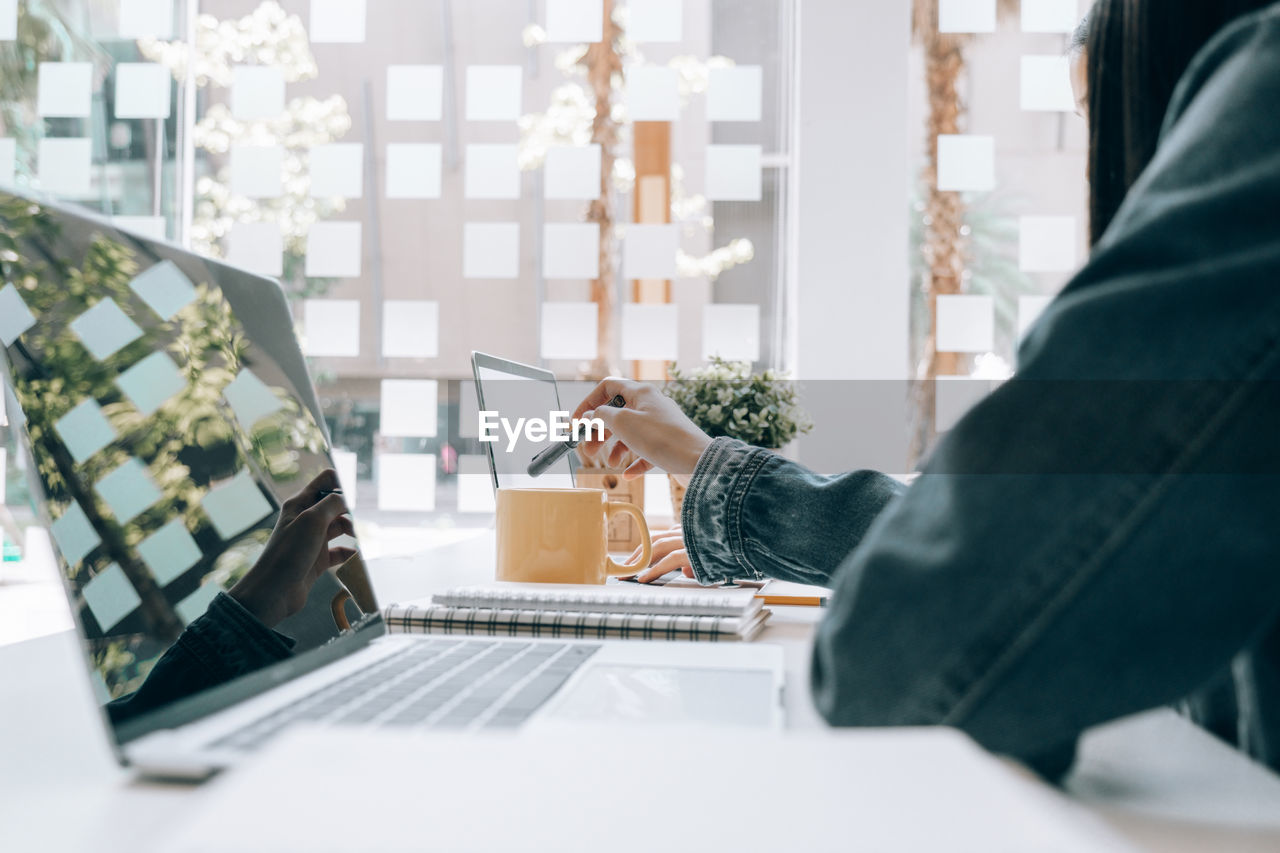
[
  {"x": 669, "y": 554},
  {"x": 297, "y": 553},
  {"x": 651, "y": 426}
]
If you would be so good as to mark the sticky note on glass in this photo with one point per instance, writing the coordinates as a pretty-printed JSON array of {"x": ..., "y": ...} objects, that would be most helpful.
[
  {"x": 966, "y": 163},
  {"x": 334, "y": 250},
  {"x": 165, "y": 289},
  {"x": 731, "y": 332},
  {"x": 64, "y": 89},
  {"x": 468, "y": 411},
  {"x": 110, "y": 597},
  {"x": 257, "y": 92},
  {"x": 169, "y": 552},
  {"x": 475, "y": 485},
  {"x": 734, "y": 173},
  {"x": 571, "y": 250},
  {"x": 152, "y": 382},
  {"x": 653, "y": 93},
  {"x": 650, "y": 333},
  {"x": 1029, "y": 310},
  {"x": 574, "y": 21},
  {"x": 655, "y": 21},
  {"x": 15, "y": 317},
  {"x": 75, "y": 535},
  {"x": 257, "y": 247},
  {"x": 105, "y": 329},
  {"x": 337, "y": 21},
  {"x": 331, "y": 327},
  {"x": 649, "y": 251},
  {"x": 347, "y": 464},
  {"x": 128, "y": 491},
  {"x": 194, "y": 605},
  {"x": 84, "y": 431},
  {"x": 570, "y": 330},
  {"x": 572, "y": 172},
  {"x": 491, "y": 250},
  {"x": 251, "y": 399},
  {"x": 236, "y": 506},
  {"x": 8, "y": 161},
  {"x": 143, "y": 18},
  {"x": 966, "y": 16},
  {"x": 64, "y": 166},
  {"x": 1047, "y": 244},
  {"x": 1046, "y": 84},
  {"x": 8, "y": 20},
  {"x": 409, "y": 408},
  {"x": 142, "y": 90},
  {"x": 257, "y": 171},
  {"x": 337, "y": 170},
  {"x": 657, "y": 496},
  {"x": 410, "y": 329},
  {"x": 151, "y": 227},
  {"x": 735, "y": 94},
  {"x": 406, "y": 482},
  {"x": 494, "y": 92},
  {"x": 415, "y": 92},
  {"x": 413, "y": 170},
  {"x": 492, "y": 172},
  {"x": 1050, "y": 16},
  {"x": 966, "y": 324}
]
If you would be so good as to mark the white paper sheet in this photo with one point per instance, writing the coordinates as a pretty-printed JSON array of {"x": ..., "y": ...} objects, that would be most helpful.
[
  {"x": 574, "y": 21},
  {"x": 406, "y": 482},
  {"x": 257, "y": 92},
  {"x": 164, "y": 288},
  {"x": 110, "y": 597},
  {"x": 152, "y": 227},
  {"x": 169, "y": 552},
  {"x": 75, "y": 536},
  {"x": 337, "y": 170},
  {"x": 128, "y": 491},
  {"x": 64, "y": 89},
  {"x": 410, "y": 328},
  {"x": 142, "y": 90},
  {"x": 64, "y": 166},
  {"x": 1029, "y": 310},
  {"x": 966, "y": 16},
  {"x": 142, "y": 18},
  {"x": 346, "y": 463},
  {"x": 653, "y": 93},
  {"x": 571, "y": 250},
  {"x": 1050, "y": 16},
  {"x": 409, "y": 408},
  {"x": 1048, "y": 244},
  {"x": 331, "y": 327},
  {"x": 8, "y": 20},
  {"x": 105, "y": 329},
  {"x": 152, "y": 382},
  {"x": 735, "y": 94},
  {"x": 570, "y": 330},
  {"x": 491, "y": 250},
  {"x": 734, "y": 173},
  {"x": 235, "y": 506},
  {"x": 194, "y": 605},
  {"x": 966, "y": 163},
  {"x": 257, "y": 171},
  {"x": 731, "y": 332},
  {"x": 257, "y": 247},
  {"x": 494, "y": 92},
  {"x": 649, "y": 251},
  {"x": 334, "y": 250},
  {"x": 8, "y": 161},
  {"x": 15, "y": 317},
  {"x": 337, "y": 21},
  {"x": 966, "y": 324},
  {"x": 492, "y": 172},
  {"x": 1046, "y": 84},
  {"x": 414, "y": 170},
  {"x": 85, "y": 430},
  {"x": 475, "y": 485},
  {"x": 572, "y": 172},
  {"x": 251, "y": 399},
  {"x": 415, "y": 92},
  {"x": 655, "y": 21},
  {"x": 650, "y": 332}
]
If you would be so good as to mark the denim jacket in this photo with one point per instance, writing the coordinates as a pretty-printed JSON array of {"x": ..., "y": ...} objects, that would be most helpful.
[{"x": 1101, "y": 535}]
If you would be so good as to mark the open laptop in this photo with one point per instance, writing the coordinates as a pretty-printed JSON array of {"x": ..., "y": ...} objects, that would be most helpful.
[{"x": 168, "y": 412}]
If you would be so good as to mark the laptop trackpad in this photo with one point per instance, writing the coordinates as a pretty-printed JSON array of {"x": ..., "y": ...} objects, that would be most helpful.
[{"x": 663, "y": 695}]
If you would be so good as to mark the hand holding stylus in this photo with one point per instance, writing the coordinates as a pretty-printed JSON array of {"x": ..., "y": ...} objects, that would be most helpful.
[{"x": 651, "y": 426}]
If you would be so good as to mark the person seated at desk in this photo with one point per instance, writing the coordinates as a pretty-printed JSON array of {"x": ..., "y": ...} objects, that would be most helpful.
[{"x": 1099, "y": 536}]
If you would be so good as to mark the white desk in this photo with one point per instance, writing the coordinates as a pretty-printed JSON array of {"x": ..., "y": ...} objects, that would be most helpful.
[{"x": 1160, "y": 781}]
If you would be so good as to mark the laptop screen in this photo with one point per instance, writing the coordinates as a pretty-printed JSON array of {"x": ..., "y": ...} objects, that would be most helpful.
[
  {"x": 513, "y": 396},
  {"x": 169, "y": 416}
]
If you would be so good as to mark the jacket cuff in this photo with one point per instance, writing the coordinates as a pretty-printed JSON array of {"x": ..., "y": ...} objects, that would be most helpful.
[{"x": 711, "y": 519}]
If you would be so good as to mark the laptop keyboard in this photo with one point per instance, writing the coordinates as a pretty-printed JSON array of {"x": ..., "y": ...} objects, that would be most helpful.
[{"x": 434, "y": 684}]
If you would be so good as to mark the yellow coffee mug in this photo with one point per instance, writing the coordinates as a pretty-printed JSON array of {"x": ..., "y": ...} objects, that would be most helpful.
[{"x": 561, "y": 536}]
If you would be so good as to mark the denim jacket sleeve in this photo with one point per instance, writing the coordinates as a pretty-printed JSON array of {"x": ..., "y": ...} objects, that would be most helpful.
[{"x": 749, "y": 511}]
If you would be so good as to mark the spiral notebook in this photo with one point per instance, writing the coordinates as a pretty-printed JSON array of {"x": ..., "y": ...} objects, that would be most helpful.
[{"x": 555, "y": 610}]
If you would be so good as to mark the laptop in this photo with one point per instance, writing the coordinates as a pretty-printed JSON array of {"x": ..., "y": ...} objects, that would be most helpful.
[{"x": 167, "y": 412}]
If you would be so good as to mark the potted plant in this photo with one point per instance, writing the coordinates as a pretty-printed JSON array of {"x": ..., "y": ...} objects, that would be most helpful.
[{"x": 726, "y": 399}]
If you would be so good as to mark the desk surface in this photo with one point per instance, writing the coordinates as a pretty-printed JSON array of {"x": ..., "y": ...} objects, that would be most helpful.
[{"x": 1160, "y": 781}]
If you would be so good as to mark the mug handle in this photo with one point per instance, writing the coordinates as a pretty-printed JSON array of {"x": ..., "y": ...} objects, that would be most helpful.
[{"x": 613, "y": 567}]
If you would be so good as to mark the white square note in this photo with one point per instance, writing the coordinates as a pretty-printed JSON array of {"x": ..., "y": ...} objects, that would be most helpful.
[
  {"x": 105, "y": 329},
  {"x": 15, "y": 317},
  {"x": 1029, "y": 310},
  {"x": 142, "y": 90},
  {"x": 966, "y": 163},
  {"x": 251, "y": 399},
  {"x": 415, "y": 92},
  {"x": 169, "y": 552},
  {"x": 337, "y": 21},
  {"x": 575, "y": 21},
  {"x": 257, "y": 171},
  {"x": 572, "y": 172},
  {"x": 967, "y": 16},
  {"x": 731, "y": 332},
  {"x": 331, "y": 328},
  {"x": 494, "y": 92},
  {"x": 85, "y": 430},
  {"x": 164, "y": 288},
  {"x": 409, "y": 408},
  {"x": 8, "y": 161},
  {"x": 236, "y": 506},
  {"x": 655, "y": 20},
  {"x": 735, "y": 94},
  {"x": 110, "y": 597},
  {"x": 491, "y": 250},
  {"x": 410, "y": 329},
  {"x": 653, "y": 93},
  {"x": 1046, "y": 84},
  {"x": 571, "y": 250},
  {"x": 143, "y": 18},
  {"x": 734, "y": 173},
  {"x": 492, "y": 172},
  {"x": 64, "y": 166},
  {"x": 475, "y": 485},
  {"x": 414, "y": 170},
  {"x": 966, "y": 324},
  {"x": 406, "y": 482},
  {"x": 1050, "y": 16},
  {"x": 334, "y": 250},
  {"x": 650, "y": 333},
  {"x": 337, "y": 170},
  {"x": 128, "y": 491},
  {"x": 8, "y": 20},
  {"x": 347, "y": 464},
  {"x": 64, "y": 89},
  {"x": 1047, "y": 244},
  {"x": 649, "y": 251},
  {"x": 152, "y": 382},
  {"x": 570, "y": 330},
  {"x": 75, "y": 535},
  {"x": 257, "y": 92},
  {"x": 257, "y": 247}
]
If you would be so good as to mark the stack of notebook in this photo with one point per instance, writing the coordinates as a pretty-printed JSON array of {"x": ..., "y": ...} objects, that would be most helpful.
[{"x": 554, "y": 610}]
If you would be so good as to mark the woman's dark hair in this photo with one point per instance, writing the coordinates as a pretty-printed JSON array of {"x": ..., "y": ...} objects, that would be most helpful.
[{"x": 1137, "y": 51}]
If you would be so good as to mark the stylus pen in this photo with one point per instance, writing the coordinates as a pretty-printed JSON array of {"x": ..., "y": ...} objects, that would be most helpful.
[{"x": 553, "y": 454}]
